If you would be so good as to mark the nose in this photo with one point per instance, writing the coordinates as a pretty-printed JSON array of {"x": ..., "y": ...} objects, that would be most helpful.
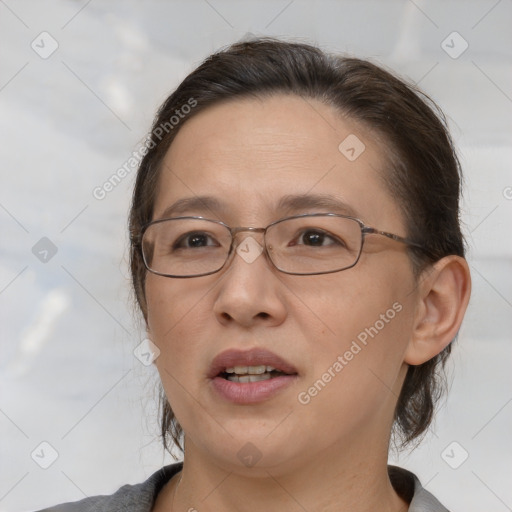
[{"x": 250, "y": 292}]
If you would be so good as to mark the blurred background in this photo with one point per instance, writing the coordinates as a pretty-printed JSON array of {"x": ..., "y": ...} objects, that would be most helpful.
[{"x": 79, "y": 84}]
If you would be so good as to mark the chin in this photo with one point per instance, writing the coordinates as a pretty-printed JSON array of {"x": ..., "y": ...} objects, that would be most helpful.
[{"x": 257, "y": 450}]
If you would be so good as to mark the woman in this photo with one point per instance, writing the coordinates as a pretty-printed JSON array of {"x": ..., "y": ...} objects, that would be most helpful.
[{"x": 297, "y": 257}]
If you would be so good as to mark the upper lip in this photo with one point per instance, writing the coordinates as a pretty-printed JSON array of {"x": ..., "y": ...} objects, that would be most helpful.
[{"x": 253, "y": 357}]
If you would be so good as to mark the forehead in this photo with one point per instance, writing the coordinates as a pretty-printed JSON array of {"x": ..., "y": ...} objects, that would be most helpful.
[{"x": 250, "y": 153}]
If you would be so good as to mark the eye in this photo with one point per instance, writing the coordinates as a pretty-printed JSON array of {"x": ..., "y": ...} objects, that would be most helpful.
[
  {"x": 316, "y": 238},
  {"x": 195, "y": 239}
]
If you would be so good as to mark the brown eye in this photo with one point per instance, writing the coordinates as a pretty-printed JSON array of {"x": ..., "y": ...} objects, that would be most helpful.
[
  {"x": 313, "y": 238},
  {"x": 195, "y": 239},
  {"x": 317, "y": 238}
]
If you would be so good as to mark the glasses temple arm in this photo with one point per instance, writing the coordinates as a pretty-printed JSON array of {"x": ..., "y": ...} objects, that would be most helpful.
[{"x": 372, "y": 231}]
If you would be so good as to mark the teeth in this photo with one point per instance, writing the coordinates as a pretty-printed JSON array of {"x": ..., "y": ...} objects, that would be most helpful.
[
  {"x": 250, "y": 370},
  {"x": 249, "y": 378}
]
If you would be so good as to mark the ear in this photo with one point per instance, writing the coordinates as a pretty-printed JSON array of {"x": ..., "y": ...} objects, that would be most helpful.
[{"x": 443, "y": 295}]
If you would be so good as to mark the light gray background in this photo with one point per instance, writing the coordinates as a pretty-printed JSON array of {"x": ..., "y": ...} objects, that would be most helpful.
[{"x": 67, "y": 372}]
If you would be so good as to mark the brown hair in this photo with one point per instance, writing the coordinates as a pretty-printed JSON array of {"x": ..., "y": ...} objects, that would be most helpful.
[{"x": 424, "y": 173}]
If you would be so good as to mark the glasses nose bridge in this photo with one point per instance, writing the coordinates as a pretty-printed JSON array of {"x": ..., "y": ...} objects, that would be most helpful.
[{"x": 243, "y": 229}]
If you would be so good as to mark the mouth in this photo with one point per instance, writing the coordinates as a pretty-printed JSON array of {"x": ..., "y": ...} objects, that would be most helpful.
[
  {"x": 250, "y": 365},
  {"x": 251, "y": 373},
  {"x": 248, "y": 377}
]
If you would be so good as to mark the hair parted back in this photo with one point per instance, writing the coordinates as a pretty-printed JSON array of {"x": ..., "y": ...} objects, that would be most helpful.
[{"x": 423, "y": 175}]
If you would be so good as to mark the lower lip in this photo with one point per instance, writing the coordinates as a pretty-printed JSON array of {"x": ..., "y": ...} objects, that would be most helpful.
[{"x": 251, "y": 392}]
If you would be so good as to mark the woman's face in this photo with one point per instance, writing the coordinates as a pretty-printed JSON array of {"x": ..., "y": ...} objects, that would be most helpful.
[{"x": 342, "y": 335}]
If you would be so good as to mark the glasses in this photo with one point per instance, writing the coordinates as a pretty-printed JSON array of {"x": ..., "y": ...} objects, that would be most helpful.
[{"x": 307, "y": 244}]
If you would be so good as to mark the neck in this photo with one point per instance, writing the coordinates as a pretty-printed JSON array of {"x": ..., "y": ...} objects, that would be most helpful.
[{"x": 336, "y": 480}]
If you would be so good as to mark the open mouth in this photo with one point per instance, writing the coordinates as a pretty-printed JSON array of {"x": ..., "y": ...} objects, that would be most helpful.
[
  {"x": 245, "y": 377},
  {"x": 251, "y": 373}
]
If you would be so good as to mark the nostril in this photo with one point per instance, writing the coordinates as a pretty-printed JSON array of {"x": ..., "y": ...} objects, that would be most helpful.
[{"x": 263, "y": 315}]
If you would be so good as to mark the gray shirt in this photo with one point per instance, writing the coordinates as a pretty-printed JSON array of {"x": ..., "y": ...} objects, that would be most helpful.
[{"x": 141, "y": 497}]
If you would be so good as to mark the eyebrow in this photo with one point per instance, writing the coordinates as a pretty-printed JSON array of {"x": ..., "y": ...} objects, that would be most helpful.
[
  {"x": 199, "y": 204},
  {"x": 291, "y": 204},
  {"x": 287, "y": 205}
]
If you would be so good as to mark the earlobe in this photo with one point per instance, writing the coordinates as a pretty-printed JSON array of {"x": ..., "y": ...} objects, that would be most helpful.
[{"x": 443, "y": 296}]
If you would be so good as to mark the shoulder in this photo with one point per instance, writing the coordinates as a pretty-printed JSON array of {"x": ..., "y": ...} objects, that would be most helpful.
[
  {"x": 408, "y": 486},
  {"x": 133, "y": 498}
]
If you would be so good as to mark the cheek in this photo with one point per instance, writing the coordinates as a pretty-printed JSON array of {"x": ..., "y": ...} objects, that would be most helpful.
[
  {"x": 357, "y": 375},
  {"x": 365, "y": 341},
  {"x": 171, "y": 303},
  {"x": 360, "y": 303},
  {"x": 362, "y": 331},
  {"x": 178, "y": 312},
  {"x": 173, "y": 324}
]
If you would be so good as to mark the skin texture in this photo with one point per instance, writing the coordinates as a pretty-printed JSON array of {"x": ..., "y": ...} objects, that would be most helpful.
[{"x": 330, "y": 454}]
